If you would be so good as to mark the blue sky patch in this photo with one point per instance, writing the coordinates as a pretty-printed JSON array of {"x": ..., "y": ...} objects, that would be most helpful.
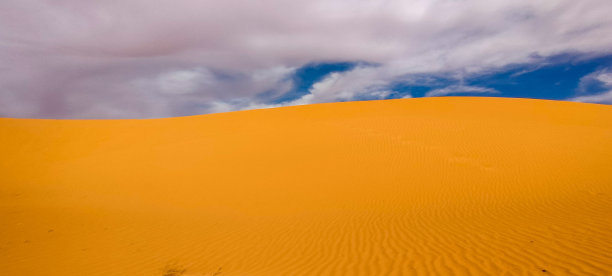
[{"x": 556, "y": 78}]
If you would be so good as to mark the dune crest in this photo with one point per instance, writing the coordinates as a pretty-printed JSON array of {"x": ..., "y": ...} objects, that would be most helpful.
[{"x": 432, "y": 186}]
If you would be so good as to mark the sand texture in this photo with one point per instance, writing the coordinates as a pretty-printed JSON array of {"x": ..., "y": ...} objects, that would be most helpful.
[{"x": 431, "y": 186}]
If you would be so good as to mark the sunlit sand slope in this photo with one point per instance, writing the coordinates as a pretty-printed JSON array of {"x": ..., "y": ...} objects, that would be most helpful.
[{"x": 435, "y": 186}]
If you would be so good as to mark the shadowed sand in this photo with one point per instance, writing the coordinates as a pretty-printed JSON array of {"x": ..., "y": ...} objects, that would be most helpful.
[{"x": 433, "y": 186}]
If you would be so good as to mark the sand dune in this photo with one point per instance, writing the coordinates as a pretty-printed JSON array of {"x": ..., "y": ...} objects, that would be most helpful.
[{"x": 432, "y": 186}]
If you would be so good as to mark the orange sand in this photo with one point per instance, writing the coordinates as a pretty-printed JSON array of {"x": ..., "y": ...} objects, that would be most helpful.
[{"x": 433, "y": 186}]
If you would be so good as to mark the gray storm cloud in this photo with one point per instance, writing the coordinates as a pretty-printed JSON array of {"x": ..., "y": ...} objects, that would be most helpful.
[{"x": 154, "y": 58}]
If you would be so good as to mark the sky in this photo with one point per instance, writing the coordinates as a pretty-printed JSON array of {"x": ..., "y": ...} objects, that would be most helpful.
[{"x": 113, "y": 59}]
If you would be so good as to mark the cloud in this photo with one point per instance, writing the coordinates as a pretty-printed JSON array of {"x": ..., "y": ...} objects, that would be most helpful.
[
  {"x": 603, "y": 98},
  {"x": 601, "y": 79},
  {"x": 157, "y": 58},
  {"x": 345, "y": 86},
  {"x": 459, "y": 89},
  {"x": 183, "y": 81}
]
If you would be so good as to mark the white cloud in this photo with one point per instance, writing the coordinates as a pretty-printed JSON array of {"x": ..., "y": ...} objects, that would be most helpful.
[
  {"x": 601, "y": 77},
  {"x": 69, "y": 58},
  {"x": 380, "y": 94},
  {"x": 604, "y": 98},
  {"x": 345, "y": 86},
  {"x": 183, "y": 81},
  {"x": 459, "y": 89}
]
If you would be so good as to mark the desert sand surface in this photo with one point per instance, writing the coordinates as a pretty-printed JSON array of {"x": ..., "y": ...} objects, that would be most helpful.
[{"x": 431, "y": 186}]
